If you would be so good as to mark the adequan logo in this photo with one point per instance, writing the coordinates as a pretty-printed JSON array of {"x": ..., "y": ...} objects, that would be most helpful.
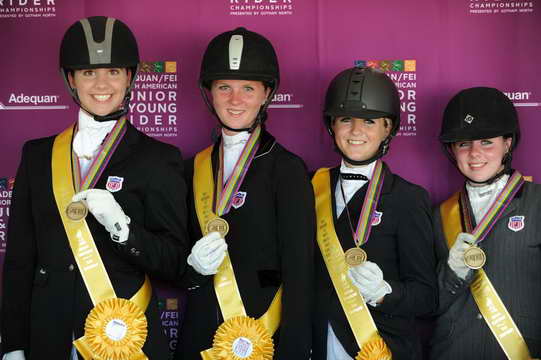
[
  {"x": 284, "y": 101},
  {"x": 522, "y": 98},
  {"x": 22, "y": 101}
]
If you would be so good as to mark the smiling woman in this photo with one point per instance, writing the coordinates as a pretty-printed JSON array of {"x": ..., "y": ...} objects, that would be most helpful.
[
  {"x": 101, "y": 91},
  {"x": 237, "y": 102},
  {"x": 373, "y": 227},
  {"x": 479, "y": 160},
  {"x": 252, "y": 218},
  {"x": 487, "y": 237},
  {"x": 359, "y": 139},
  {"x": 85, "y": 195}
]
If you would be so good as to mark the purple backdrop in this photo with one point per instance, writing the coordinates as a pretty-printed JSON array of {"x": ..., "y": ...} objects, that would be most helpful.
[{"x": 430, "y": 48}]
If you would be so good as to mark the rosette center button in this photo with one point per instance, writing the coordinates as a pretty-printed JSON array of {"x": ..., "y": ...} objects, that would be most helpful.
[
  {"x": 242, "y": 347},
  {"x": 116, "y": 329}
]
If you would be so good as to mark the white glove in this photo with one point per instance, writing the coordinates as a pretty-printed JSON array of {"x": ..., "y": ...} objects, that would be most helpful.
[
  {"x": 456, "y": 254},
  {"x": 14, "y": 355},
  {"x": 208, "y": 253},
  {"x": 368, "y": 278},
  {"x": 102, "y": 204}
]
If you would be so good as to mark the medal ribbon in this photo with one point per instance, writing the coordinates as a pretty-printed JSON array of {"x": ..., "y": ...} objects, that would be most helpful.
[
  {"x": 370, "y": 204},
  {"x": 225, "y": 284},
  {"x": 359, "y": 318},
  {"x": 100, "y": 162},
  {"x": 514, "y": 184},
  {"x": 224, "y": 195},
  {"x": 485, "y": 295},
  {"x": 80, "y": 238}
]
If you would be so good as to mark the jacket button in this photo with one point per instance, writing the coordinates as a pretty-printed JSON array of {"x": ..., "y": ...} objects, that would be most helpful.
[
  {"x": 71, "y": 267},
  {"x": 42, "y": 271},
  {"x": 479, "y": 316}
]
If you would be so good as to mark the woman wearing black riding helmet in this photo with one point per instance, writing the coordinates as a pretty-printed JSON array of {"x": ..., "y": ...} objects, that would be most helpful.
[
  {"x": 375, "y": 263},
  {"x": 487, "y": 237},
  {"x": 75, "y": 284},
  {"x": 251, "y": 197}
]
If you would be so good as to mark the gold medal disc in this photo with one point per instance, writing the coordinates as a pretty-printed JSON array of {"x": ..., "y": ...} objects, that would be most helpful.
[
  {"x": 474, "y": 258},
  {"x": 76, "y": 211},
  {"x": 355, "y": 256},
  {"x": 219, "y": 225}
]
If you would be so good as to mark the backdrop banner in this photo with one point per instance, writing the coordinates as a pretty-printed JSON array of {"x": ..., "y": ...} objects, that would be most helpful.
[{"x": 431, "y": 49}]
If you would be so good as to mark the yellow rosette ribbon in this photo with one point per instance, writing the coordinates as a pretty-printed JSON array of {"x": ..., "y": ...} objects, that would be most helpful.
[
  {"x": 374, "y": 349},
  {"x": 360, "y": 320},
  {"x": 242, "y": 338},
  {"x": 489, "y": 303},
  {"x": 115, "y": 329},
  {"x": 239, "y": 337}
]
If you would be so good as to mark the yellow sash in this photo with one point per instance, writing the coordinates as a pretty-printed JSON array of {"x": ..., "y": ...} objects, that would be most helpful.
[
  {"x": 359, "y": 318},
  {"x": 489, "y": 303},
  {"x": 95, "y": 344},
  {"x": 236, "y": 323}
]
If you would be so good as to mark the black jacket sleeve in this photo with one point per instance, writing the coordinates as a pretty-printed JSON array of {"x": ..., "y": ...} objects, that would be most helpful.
[
  {"x": 415, "y": 293},
  {"x": 19, "y": 264},
  {"x": 158, "y": 245},
  {"x": 296, "y": 233}
]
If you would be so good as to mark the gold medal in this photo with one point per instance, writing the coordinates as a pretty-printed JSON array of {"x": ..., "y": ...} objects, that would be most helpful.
[
  {"x": 474, "y": 257},
  {"x": 76, "y": 211},
  {"x": 219, "y": 225},
  {"x": 355, "y": 256}
]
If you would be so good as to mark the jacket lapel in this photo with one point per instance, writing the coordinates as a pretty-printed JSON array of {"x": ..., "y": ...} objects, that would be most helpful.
[{"x": 125, "y": 148}]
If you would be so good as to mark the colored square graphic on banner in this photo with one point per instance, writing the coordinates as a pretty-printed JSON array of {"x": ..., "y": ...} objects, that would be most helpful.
[
  {"x": 158, "y": 66},
  {"x": 398, "y": 65},
  {"x": 410, "y": 65},
  {"x": 7, "y": 184},
  {"x": 385, "y": 65},
  {"x": 170, "y": 66},
  {"x": 146, "y": 66},
  {"x": 168, "y": 304},
  {"x": 373, "y": 64},
  {"x": 360, "y": 63},
  {"x": 171, "y": 304}
]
